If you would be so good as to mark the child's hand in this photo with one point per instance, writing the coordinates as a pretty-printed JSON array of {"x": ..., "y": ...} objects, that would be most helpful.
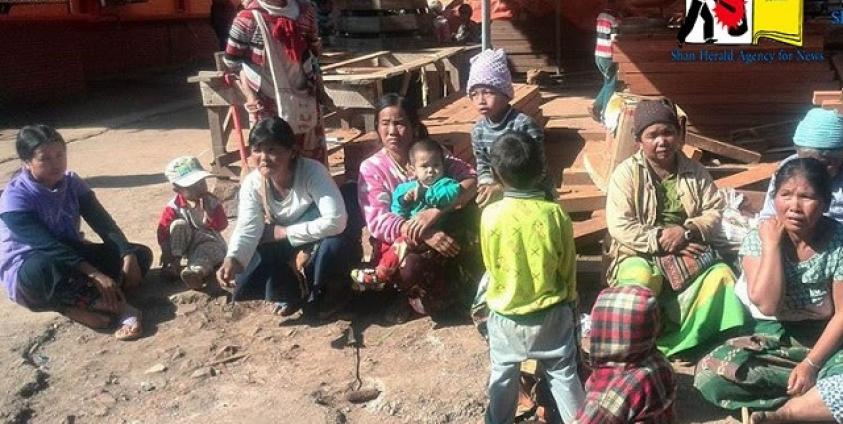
[
  {"x": 410, "y": 196},
  {"x": 488, "y": 193},
  {"x": 204, "y": 205}
]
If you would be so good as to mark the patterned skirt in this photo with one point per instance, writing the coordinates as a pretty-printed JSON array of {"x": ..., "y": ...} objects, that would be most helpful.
[
  {"x": 752, "y": 371},
  {"x": 695, "y": 317}
]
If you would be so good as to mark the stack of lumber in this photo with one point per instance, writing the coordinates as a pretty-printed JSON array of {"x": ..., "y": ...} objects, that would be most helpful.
[
  {"x": 726, "y": 95},
  {"x": 829, "y": 100},
  {"x": 370, "y": 25},
  {"x": 525, "y": 47}
]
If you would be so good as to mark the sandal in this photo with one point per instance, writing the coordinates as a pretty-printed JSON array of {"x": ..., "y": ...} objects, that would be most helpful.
[
  {"x": 130, "y": 327},
  {"x": 283, "y": 309}
]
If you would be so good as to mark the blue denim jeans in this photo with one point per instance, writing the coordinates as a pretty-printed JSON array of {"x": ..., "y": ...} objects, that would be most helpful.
[{"x": 549, "y": 337}]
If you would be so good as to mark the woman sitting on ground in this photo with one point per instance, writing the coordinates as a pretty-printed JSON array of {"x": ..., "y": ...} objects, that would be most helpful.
[
  {"x": 289, "y": 206},
  {"x": 663, "y": 207},
  {"x": 792, "y": 284},
  {"x": 45, "y": 264},
  {"x": 442, "y": 263}
]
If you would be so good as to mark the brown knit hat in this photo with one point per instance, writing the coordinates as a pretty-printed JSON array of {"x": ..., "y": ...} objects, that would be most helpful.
[{"x": 649, "y": 112}]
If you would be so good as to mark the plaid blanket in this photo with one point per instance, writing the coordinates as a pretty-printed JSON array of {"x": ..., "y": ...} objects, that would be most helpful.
[{"x": 632, "y": 381}]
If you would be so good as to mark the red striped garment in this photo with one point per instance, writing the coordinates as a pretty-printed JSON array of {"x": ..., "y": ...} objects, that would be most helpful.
[{"x": 607, "y": 25}]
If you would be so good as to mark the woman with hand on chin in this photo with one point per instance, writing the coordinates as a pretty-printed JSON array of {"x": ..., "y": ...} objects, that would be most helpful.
[{"x": 792, "y": 284}]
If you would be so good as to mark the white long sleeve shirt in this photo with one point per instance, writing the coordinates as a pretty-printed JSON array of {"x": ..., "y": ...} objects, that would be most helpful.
[{"x": 313, "y": 210}]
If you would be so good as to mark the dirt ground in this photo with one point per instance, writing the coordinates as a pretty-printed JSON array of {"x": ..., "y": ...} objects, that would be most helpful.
[{"x": 205, "y": 360}]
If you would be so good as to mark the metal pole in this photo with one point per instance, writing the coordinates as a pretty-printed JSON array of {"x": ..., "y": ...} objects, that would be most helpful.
[
  {"x": 486, "y": 24},
  {"x": 558, "y": 37}
]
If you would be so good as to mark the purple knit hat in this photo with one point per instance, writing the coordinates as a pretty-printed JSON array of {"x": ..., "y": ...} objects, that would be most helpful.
[{"x": 490, "y": 68}]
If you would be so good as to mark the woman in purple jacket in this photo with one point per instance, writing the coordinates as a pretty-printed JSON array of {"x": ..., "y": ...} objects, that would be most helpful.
[{"x": 45, "y": 264}]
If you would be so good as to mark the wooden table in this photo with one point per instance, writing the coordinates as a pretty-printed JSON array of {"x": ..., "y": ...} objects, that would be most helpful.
[{"x": 356, "y": 84}]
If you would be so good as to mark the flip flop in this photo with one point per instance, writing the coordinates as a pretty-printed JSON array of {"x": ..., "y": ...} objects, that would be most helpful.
[
  {"x": 284, "y": 309},
  {"x": 130, "y": 328}
]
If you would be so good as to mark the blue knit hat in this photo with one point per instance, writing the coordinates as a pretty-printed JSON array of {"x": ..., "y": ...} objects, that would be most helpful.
[{"x": 820, "y": 129}]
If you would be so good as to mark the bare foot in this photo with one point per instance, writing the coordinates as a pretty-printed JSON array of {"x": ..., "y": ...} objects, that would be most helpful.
[{"x": 88, "y": 318}]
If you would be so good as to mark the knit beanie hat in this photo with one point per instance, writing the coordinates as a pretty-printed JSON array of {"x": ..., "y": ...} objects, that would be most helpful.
[
  {"x": 649, "y": 112},
  {"x": 489, "y": 67},
  {"x": 820, "y": 129}
]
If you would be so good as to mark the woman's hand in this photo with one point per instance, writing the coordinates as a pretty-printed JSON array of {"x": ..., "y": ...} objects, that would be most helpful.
[
  {"x": 443, "y": 243},
  {"x": 272, "y": 232},
  {"x": 672, "y": 239},
  {"x": 228, "y": 270},
  {"x": 110, "y": 292},
  {"x": 802, "y": 379},
  {"x": 423, "y": 221},
  {"x": 693, "y": 249},
  {"x": 488, "y": 193},
  {"x": 131, "y": 272},
  {"x": 771, "y": 231}
]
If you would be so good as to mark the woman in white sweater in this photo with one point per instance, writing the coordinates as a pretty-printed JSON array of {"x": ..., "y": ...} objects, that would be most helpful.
[{"x": 289, "y": 204}]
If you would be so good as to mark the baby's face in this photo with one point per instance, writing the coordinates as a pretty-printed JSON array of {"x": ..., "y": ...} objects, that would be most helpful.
[{"x": 428, "y": 167}]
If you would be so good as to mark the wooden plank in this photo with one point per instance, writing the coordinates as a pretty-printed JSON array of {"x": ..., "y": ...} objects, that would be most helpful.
[
  {"x": 589, "y": 231},
  {"x": 354, "y": 60},
  {"x": 591, "y": 265},
  {"x": 582, "y": 199},
  {"x": 717, "y": 147},
  {"x": 692, "y": 152},
  {"x": 756, "y": 174},
  {"x": 575, "y": 177},
  {"x": 220, "y": 95},
  {"x": 822, "y": 96}
]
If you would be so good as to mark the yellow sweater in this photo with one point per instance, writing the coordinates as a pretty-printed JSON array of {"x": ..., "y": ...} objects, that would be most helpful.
[{"x": 528, "y": 250}]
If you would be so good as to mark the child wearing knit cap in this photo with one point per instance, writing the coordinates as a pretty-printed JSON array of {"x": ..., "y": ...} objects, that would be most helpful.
[{"x": 490, "y": 90}]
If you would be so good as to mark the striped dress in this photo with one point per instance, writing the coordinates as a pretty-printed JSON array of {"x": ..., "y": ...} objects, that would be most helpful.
[
  {"x": 606, "y": 26},
  {"x": 300, "y": 37}
]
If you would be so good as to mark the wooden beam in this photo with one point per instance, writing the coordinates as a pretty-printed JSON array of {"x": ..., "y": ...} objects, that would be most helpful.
[
  {"x": 822, "y": 96},
  {"x": 723, "y": 149},
  {"x": 758, "y": 173},
  {"x": 582, "y": 200},
  {"x": 590, "y": 264},
  {"x": 589, "y": 231},
  {"x": 354, "y": 60}
]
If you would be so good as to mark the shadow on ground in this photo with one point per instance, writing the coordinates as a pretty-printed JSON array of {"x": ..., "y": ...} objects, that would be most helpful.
[{"x": 124, "y": 181}]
